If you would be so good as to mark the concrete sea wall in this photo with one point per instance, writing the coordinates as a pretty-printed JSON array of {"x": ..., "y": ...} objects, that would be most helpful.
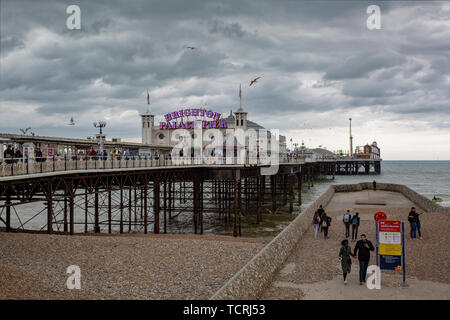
[
  {"x": 420, "y": 201},
  {"x": 253, "y": 278}
]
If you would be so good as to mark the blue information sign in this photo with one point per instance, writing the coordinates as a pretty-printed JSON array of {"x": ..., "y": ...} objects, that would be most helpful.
[{"x": 390, "y": 262}]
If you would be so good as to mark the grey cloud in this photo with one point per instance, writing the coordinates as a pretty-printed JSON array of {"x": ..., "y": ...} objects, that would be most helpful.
[{"x": 126, "y": 47}]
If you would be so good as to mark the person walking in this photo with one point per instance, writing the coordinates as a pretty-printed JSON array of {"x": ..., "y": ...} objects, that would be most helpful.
[
  {"x": 355, "y": 226},
  {"x": 412, "y": 218},
  {"x": 347, "y": 220},
  {"x": 8, "y": 154},
  {"x": 326, "y": 222},
  {"x": 362, "y": 249},
  {"x": 345, "y": 255},
  {"x": 320, "y": 211},
  {"x": 374, "y": 183},
  {"x": 316, "y": 223},
  {"x": 419, "y": 226}
]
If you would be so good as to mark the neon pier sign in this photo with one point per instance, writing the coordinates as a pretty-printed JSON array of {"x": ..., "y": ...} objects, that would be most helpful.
[{"x": 180, "y": 120}]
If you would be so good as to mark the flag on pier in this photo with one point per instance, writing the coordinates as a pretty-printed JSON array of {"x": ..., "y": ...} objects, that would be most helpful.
[
  {"x": 240, "y": 96},
  {"x": 148, "y": 98}
]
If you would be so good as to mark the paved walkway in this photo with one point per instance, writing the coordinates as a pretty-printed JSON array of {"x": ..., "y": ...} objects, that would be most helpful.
[{"x": 313, "y": 270}]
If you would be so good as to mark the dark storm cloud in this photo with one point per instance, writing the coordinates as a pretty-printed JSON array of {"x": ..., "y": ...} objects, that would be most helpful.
[{"x": 314, "y": 56}]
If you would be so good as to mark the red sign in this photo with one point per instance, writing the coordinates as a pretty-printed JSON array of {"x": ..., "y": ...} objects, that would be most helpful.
[
  {"x": 390, "y": 226},
  {"x": 379, "y": 215}
]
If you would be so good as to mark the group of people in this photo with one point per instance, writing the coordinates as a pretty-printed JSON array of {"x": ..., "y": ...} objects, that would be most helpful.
[
  {"x": 362, "y": 247},
  {"x": 414, "y": 221},
  {"x": 10, "y": 155},
  {"x": 362, "y": 251},
  {"x": 322, "y": 222}
]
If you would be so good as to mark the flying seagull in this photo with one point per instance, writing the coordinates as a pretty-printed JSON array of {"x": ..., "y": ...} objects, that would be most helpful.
[
  {"x": 192, "y": 48},
  {"x": 24, "y": 131},
  {"x": 72, "y": 122},
  {"x": 254, "y": 80}
]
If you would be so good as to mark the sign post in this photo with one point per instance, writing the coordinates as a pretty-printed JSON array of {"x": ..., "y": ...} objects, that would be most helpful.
[
  {"x": 391, "y": 246},
  {"x": 403, "y": 254}
]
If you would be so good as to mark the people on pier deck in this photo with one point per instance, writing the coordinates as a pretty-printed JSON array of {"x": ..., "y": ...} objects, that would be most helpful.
[{"x": 8, "y": 155}]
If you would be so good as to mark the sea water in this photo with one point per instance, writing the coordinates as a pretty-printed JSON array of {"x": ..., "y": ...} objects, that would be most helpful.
[{"x": 429, "y": 178}]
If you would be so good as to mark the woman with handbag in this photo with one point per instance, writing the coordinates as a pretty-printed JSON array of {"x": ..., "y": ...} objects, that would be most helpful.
[{"x": 345, "y": 255}]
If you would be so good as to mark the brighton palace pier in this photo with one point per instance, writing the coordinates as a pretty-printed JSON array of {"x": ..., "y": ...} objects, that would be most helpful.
[{"x": 138, "y": 187}]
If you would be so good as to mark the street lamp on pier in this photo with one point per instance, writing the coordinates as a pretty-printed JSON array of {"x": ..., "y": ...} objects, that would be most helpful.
[{"x": 100, "y": 136}]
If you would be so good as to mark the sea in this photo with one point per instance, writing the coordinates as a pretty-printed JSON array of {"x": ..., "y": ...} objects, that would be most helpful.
[{"x": 429, "y": 178}]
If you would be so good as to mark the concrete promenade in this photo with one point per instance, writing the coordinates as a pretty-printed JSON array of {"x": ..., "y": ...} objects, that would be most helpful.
[{"x": 313, "y": 271}]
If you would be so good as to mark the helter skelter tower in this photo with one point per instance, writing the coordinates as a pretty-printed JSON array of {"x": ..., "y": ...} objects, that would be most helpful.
[
  {"x": 148, "y": 122},
  {"x": 351, "y": 138}
]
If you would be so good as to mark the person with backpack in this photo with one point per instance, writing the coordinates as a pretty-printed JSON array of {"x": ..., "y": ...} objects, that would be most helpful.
[
  {"x": 355, "y": 226},
  {"x": 316, "y": 223},
  {"x": 326, "y": 222},
  {"x": 363, "y": 248},
  {"x": 346, "y": 219},
  {"x": 345, "y": 255}
]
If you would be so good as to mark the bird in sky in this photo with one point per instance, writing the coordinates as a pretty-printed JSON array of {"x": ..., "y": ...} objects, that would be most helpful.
[
  {"x": 254, "y": 80},
  {"x": 72, "y": 122},
  {"x": 24, "y": 131},
  {"x": 192, "y": 48}
]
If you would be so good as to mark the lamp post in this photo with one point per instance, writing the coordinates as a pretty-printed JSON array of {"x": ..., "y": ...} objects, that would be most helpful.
[
  {"x": 100, "y": 136},
  {"x": 101, "y": 125}
]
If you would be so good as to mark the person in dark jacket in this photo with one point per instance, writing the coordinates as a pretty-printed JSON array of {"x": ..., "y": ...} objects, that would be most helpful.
[
  {"x": 326, "y": 222},
  {"x": 374, "y": 183},
  {"x": 8, "y": 155},
  {"x": 345, "y": 255},
  {"x": 412, "y": 218},
  {"x": 355, "y": 226},
  {"x": 362, "y": 249},
  {"x": 419, "y": 226},
  {"x": 320, "y": 211}
]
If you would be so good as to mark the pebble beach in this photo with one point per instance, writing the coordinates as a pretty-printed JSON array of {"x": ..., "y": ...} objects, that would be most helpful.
[{"x": 33, "y": 266}]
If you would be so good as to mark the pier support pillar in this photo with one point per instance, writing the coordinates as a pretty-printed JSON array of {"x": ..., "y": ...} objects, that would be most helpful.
[
  {"x": 273, "y": 182},
  {"x": 96, "y": 212},
  {"x": 49, "y": 207},
  {"x": 144, "y": 197},
  {"x": 299, "y": 186},
  {"x": 71, "y": 214},
  {"x": 156, "y": 205},
  {"x": 109, "y": 211},
  {"x": 291, "y": 192},
  {"x": 196, "y": 188},
  {"x": 8, "y": 212}
]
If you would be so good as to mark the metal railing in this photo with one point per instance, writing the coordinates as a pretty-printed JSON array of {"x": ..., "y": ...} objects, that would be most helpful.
[{"x": 26, "y": 166}]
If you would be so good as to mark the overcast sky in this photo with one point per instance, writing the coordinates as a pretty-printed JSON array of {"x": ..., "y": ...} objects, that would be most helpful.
[{"x": 319, "y": 63}]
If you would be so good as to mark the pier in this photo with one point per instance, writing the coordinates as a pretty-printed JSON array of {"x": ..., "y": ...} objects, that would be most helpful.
[{"x": 144, "y": 195}]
